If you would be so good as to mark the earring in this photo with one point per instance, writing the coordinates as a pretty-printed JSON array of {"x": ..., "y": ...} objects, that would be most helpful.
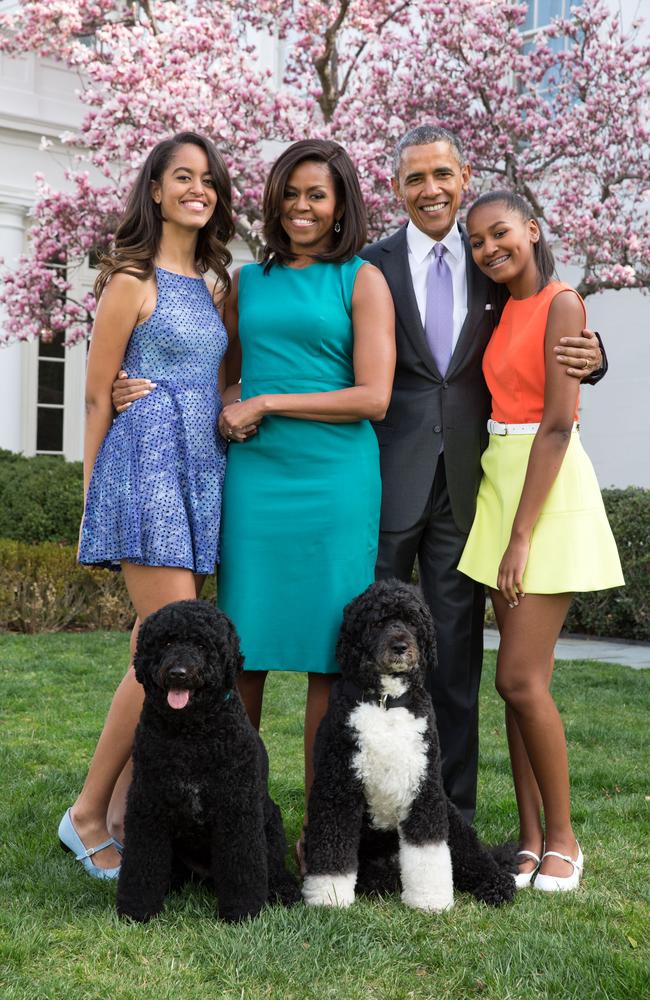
[{"x": 337, "y": 227}]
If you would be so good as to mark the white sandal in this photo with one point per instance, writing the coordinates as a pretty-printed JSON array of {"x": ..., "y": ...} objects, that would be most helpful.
[
  {"x": 556, "y": 883},
  {"x": 522, "y": 879}
]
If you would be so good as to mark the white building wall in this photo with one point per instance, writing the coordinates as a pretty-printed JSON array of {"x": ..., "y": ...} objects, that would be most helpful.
[
  {"x": 37, "y": 98},
  {"x": 615, "y": 414},
  {"x": 11, "y": 359}
]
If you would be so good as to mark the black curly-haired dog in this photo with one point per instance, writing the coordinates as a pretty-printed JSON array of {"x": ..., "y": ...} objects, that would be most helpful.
[
  {"x": 377, "y": 791},
  {"x": 199, "y": 790}
]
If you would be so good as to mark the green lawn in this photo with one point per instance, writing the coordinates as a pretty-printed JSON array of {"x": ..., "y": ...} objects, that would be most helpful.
[{"x": 60, "y": 938}]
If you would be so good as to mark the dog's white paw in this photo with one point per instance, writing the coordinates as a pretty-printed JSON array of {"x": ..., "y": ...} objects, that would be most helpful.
[
  {"x": 427, "y": 882},
  {"x": 329, "y": 890}
]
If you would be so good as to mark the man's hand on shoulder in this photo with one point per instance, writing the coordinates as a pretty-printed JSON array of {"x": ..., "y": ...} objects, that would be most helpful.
[{"x": 582, "y": 355}]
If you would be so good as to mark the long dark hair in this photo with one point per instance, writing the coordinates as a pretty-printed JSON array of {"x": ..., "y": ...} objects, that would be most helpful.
[
  {"x": 353, "y": 222},
  {"x": 515, "y": 203},
  {"x": 138, "y": 234}
]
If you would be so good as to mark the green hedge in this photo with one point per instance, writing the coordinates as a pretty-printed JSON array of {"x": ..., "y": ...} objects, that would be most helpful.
[
  {"x": 625, "y": 612},
  {"x": 41, "y": 498},
  {"x": 42, "y": 587}
]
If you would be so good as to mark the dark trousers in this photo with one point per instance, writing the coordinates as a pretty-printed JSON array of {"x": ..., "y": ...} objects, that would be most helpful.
[{"x": 458, "y": 606}]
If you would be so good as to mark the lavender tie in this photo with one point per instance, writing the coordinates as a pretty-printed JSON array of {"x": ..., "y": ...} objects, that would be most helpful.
[{"x": 439, "y": 314}]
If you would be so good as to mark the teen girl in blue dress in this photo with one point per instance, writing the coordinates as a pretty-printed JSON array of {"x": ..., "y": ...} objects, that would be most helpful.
[{"x": 153, "y": 477}]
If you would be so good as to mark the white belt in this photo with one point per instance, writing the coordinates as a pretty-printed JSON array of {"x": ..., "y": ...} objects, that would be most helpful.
[{"x": 494, "y": 427}]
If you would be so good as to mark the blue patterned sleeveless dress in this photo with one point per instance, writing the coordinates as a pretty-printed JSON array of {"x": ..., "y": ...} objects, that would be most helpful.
[{"x": 155, "y": 494}]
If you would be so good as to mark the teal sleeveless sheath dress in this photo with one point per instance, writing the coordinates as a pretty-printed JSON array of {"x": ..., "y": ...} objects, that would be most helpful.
[{"x": 300, "y": 518}]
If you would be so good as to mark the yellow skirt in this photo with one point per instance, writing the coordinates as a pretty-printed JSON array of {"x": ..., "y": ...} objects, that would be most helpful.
[{"x": 572, "y": 547}]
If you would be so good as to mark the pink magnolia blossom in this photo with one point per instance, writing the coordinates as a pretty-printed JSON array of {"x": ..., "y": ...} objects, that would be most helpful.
[{"x": 560, "y": 118}]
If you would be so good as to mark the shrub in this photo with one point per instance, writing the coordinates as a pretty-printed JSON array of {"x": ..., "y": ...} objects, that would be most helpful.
[
  {"x": 41, "y": 498},
  {"x": 624, "y": 612},
  {"x": 43, "y": 589}
]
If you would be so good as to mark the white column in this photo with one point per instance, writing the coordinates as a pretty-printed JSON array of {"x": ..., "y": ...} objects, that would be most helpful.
[
  {"x": 12, "y": 227},
  {"x": 74, "y": 414}
]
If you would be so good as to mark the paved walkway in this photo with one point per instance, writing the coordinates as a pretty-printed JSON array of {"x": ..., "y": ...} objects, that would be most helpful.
[{"x": 628, "y": 654}]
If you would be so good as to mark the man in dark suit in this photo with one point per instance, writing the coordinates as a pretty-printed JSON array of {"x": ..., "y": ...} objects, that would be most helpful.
[{"x": 434, "y": 432}]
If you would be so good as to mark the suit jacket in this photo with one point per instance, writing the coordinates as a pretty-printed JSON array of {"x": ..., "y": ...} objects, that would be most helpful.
[{"x": 427, "y": 410}]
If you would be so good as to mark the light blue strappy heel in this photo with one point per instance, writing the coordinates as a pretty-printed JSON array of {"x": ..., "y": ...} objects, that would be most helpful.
[{"x": 72, "y": 842}]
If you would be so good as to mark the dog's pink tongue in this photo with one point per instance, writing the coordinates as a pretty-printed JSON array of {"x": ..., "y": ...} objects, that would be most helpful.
[{"x": 178, "y": 699}]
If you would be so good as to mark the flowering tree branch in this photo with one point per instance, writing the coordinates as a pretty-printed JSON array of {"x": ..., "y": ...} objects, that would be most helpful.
[{"x": 559, "y": 116}]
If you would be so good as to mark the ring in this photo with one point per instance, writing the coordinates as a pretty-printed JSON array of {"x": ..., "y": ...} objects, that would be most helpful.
[{"x": 586, "y": 365}]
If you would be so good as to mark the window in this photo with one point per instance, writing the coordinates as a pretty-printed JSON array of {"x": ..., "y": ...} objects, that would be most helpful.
[
  {"x": 52, "y": 417},
  {"x": 50, "y": 386},
  {"x": 50, "y": 394},
  {"x": 541, "y": 12}
]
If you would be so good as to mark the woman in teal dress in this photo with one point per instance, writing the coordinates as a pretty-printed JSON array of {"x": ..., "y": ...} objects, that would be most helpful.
[{"x": 314, "y": 327}]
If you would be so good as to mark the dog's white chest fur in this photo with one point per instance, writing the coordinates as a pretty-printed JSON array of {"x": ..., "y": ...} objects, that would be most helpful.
[{"x": 390, "y": 761}]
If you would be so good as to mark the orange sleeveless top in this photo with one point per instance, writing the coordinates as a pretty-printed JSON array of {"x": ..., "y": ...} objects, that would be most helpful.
[{"x": 513, "y": 363}]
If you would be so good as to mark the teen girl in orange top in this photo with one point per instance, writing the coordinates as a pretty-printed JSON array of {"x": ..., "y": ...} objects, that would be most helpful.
[{"x": 540, "y": 531}]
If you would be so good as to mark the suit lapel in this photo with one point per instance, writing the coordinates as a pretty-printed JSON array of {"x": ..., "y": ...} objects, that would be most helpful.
[
  {"x": 398, "y": 275},
  {"x": 476, "y": 301}
]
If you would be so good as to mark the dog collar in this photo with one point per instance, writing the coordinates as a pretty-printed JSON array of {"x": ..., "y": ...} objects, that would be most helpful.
[{"x": 352, "y": 690}]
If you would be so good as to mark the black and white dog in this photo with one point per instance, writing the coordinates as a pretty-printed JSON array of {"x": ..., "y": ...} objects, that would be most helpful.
[
  {"x": 198, "y": 800},
  {"x": 377, "y": 791}
]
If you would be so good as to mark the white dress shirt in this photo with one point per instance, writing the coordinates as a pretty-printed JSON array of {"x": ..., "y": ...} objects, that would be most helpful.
[{"x": 420, "y": 247}]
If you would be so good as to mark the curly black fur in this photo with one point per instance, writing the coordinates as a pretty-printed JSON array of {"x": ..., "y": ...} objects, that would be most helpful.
[
  {"x": 387, "y": 632},
  {"x": 199, "y": 791},
  {"x": 382, "y": 605}
]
